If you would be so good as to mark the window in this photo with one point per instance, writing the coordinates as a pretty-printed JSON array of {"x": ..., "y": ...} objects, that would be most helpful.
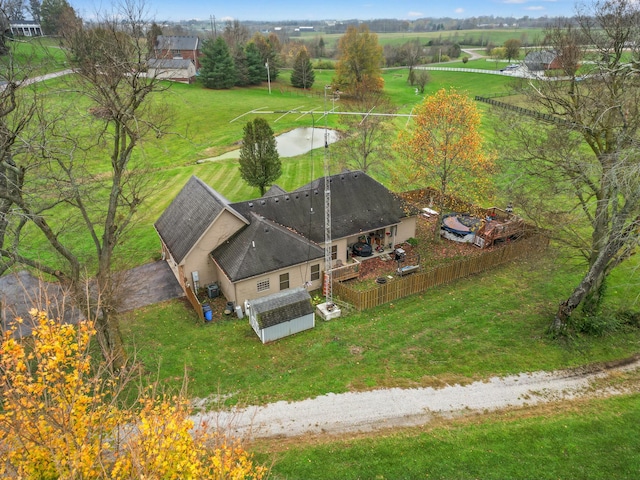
[
  {"x": 315, "y": 272},
  {"x": 263, "y": 285},
  {"x": 334, "y": 252},
  {"x": 284, "y": 281}
]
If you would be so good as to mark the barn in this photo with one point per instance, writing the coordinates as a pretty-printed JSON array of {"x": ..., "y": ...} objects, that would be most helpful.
[{"x": 281, "y": 314}]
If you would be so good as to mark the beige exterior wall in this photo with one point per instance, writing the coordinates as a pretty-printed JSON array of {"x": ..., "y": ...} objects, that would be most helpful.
[
  {"x": 248, "y": 289},
  {"x": 406, "y": 229},
  {"x": 198, "y": 259},
  {"x": 178, "y": 75}
]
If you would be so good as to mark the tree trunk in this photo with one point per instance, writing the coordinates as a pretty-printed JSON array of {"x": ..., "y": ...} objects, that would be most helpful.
[{"x": 589, "y": 290}]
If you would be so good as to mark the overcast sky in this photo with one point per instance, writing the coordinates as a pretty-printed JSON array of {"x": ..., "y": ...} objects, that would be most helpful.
[{"x": 273, "y": 10}]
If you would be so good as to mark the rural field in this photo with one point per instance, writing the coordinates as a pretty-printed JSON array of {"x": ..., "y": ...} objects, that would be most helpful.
[{"x": 492, "y": 324}]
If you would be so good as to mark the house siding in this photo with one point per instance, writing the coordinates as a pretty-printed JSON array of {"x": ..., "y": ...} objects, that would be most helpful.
[
  {"x": 198, "y": 258},
  {"x": 246, "y": 289}
]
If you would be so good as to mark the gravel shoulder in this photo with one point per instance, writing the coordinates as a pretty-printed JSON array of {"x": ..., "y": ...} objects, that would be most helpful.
[{"x": 361, "y": 412}]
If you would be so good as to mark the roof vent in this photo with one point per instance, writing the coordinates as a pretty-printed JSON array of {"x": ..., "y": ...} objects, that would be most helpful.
[
  {"x": 277, "y": 200},
  {"x": 262, "y": 202},
  {"x": 286, "y": 197},
  {"x": 315, "y": 192},
  {"x": 250, "y": 204}
]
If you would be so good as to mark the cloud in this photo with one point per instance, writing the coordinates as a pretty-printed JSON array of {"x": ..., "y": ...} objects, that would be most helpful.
[
  {"x": 459, "y": 10},
  {"x": 415, "y": 14},
  {"x": 514, "y": 1},
  {"x": 535, "y": 8}
]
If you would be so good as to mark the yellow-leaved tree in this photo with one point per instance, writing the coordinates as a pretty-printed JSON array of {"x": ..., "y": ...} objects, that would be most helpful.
[
  {"x": 62, "y": 416},
  {"x": 444, "y": 148},
  {"x": 359, "y": 68}
]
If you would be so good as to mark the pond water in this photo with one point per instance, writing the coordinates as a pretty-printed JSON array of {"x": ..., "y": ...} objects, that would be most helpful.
[{"x": 293, "y": 143}]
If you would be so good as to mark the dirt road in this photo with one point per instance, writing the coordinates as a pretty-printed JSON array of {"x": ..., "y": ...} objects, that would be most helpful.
[{"x": 379, "y": 409}]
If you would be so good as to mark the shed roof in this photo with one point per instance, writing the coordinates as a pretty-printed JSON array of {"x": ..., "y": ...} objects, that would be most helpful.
[
  {"x": 188, "y": 216},
  {"x": 177, "y": 42},
  {"x": 359, "y": 204},
  {"x": 263, "y": 246},
  {"x": 282, "y": 307}
]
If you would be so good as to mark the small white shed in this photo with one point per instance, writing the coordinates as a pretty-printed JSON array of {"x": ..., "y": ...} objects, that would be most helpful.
[{"x": 281, "y": 314}]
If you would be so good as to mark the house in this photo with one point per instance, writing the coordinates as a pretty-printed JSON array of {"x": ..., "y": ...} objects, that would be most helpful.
[
  {"x": 25, "y": 28},
  {"x": 542, "y": 60},
  {"x": 254, "y": 248},
  {"x": 179, "y": 47},
  {"x": 176, "y": 70},
  {"x": 280, "y": 314}
]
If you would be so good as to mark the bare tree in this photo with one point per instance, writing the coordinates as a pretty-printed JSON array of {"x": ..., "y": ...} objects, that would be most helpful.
[
  {"x": 45, "y": 179},
  {"x": 367, "y": 142},
  {"x": 583, "y": 167}
]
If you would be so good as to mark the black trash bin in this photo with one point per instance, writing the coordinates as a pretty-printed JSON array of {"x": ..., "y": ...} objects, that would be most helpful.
[{"x": 213, "y": 291}]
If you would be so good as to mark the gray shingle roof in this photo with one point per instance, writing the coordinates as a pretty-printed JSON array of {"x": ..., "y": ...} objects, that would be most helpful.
[
  {"x": 539, "y": 60},
  {"x": 177, "y": 42},
  {"x": 275, "y": 190},
  {"x": 261, "y": 247},
  {"x": 359, "y": 205},
  {"x": 170, "y": 63},
  {"x": 188, "y": 217},
  {"x": 282, "y": 307}
]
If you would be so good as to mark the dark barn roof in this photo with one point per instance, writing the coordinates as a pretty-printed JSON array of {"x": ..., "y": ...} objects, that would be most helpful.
[
  {"x": 170, "y": 63},
  {"x": 261, "y": 247},
  {"x": 177, "y": 42},
  {"x": 188, "y": 217},
  {"x": 359, "y": 204},
  {"x": 282, "y": 307}
]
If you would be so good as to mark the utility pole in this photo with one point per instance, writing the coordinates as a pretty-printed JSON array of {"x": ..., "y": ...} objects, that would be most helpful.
[
  {"x": 213, "y": 26},
  {"x": 268, "y": 76}
]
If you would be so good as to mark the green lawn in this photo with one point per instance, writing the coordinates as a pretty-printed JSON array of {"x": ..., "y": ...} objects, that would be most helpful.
[
  {"x": 590, "y": 440},
  {"x": 490, "y": 324}
]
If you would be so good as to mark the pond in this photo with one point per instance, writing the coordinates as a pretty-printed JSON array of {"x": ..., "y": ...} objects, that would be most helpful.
[{"x": 294, "y": 142}]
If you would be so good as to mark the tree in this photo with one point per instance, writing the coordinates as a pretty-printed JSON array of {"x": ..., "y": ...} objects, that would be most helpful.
[
  {"x": 108, "y": 61},
  {"x": 367, "y": 143},
  {"x": 62, "y": 416},
  {"x": 359, "y": 68},
  {"x": 269, "y": 49},
  {"x": 13, "y": 9},
  {"x": 256, "y": 70},
  {"x": 235, "y": 35},
  {"x": 55, "y": 14},
  {"x": 587, "y": 157},
  {"x": 444, "y": 147},
  {"x": 216, "y": 65},
  {"x": 512, "y": 48},
  {"x": 260, "y": 163},
  {"x": 420, "y": 79},
  {"x": 303, "y": 75},
  {"x": 34, "y": 8},
  {"x": 152, "y": 38},
  {"x": 412, "y": 54}
]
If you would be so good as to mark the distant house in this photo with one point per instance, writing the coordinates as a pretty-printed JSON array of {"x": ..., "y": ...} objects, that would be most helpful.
[
  {"x": 181, "y": 47},
  {"x": 254, "y": 248},
  {"x": 176, "y": 70},
  {"x": 542, "y": 60},
  {"x": 25, "y": 28},
  {"x": 280, "y": 314}
]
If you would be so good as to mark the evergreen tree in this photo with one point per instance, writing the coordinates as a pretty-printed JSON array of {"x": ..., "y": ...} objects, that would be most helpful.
[
  {"x": 256, "y": 68},
  {"x": 260, "y": 163},
  {"x": 55, "y": 15},
  {"x": 242, "y": 68},
  {"x": 303, "y": 75},
  {"x": 216, "y": 65}
]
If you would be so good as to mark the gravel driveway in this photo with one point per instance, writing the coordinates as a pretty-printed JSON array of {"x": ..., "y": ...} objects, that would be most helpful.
[{"x": 395, "y": 407}]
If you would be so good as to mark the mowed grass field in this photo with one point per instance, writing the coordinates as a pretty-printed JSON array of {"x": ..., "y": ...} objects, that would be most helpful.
[{"x": 206, "y": 123}]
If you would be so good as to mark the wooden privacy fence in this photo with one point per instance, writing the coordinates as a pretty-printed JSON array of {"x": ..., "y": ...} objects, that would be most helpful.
[
  {"x": 401, "y": 287},
  {"x": 195, "y": 303}
]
